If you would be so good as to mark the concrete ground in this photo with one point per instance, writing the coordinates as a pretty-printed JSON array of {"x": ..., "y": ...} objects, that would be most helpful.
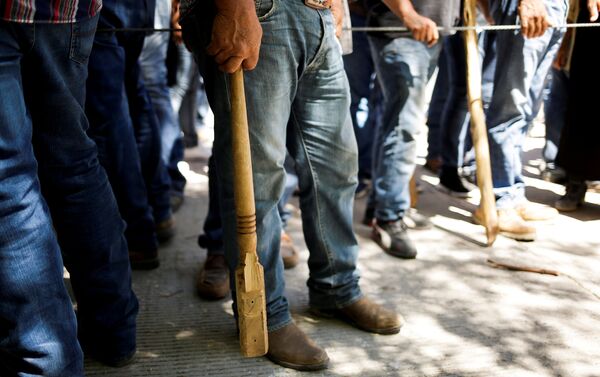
[{"x": 464, "y": 317}]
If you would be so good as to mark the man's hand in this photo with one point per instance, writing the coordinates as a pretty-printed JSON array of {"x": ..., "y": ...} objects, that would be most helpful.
[
  {"x": 337, "y": 9},
  {"x": 422, "y": 28},
  {"x": 236, "y": 35},
  {"x": 594, "y": 8},
  {"x": 534, "y": 18}
]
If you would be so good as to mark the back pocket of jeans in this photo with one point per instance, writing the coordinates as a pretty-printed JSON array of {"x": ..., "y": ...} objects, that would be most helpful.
[
  {"x": 264, "y": 8},
  {"x": 82, "y": 39}
]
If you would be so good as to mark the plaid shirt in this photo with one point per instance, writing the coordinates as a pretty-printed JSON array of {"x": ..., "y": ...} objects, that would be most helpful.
[{"x": 48, "y": 11}]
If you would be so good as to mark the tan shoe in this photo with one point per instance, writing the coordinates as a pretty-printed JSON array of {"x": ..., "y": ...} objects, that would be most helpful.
[
  {"x": 513, "y": 226},
  {"x": 212, "y": 281},
  {"x": 366, "y": 315},
  {"x": 535, "y": 212},
  {"x": 291, "y": 348},
  {"x": 288, "y": 251}
]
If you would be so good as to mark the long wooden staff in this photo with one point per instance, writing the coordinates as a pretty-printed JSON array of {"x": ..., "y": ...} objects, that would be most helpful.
[
  {"x": 249, "y": 275},
  {"x": 479, "y": 129}
]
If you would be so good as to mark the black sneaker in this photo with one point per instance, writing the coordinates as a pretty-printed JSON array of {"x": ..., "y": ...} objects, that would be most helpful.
[
  {"x": 453, "y": 184},
  {"x": 392, "y": 237}
]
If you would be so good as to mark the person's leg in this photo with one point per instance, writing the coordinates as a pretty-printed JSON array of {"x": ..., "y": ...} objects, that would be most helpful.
[
  {"x": 84, "y": 210},
  {"x": 111, "y": 129},
  {"x": 519, "y": 62},
  {"x": 212, "y": 281},
  {"x": 434, "y": 115},
  {"x": 359, "y": 69},
  {"x": 38, "y": 331},
  {"x": 455, "y": 119},
  {"x": 147, "y": 134}
]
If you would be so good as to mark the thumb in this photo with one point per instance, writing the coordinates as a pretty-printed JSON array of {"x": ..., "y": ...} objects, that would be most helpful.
[{"x": 593, "y": 8}]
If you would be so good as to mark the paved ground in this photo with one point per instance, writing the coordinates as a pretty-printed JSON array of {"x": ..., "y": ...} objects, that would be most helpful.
[{"x": 464, "y": 318}]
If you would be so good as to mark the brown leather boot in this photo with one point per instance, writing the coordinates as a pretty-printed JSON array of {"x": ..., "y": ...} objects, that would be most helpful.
[
  {"x": 366, "y": 315},
  {"x": 212, "y": 281},
  {"x": 288, "y": 251},
  {"x": 291, "y": 348},
  {"x": 510, "y": 224}
]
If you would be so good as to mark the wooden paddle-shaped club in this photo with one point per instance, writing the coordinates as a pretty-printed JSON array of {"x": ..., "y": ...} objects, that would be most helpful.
[
  {"x": 249, "y": 275},
  {"x": 489, "y": 216}
]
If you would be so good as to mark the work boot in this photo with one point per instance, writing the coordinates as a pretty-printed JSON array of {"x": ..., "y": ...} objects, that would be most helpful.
[
  {"x": 573, "y": 198},
  {"x": 510, "y": 224},
  {"x": 165, "y": 230},
  {"x": 392, "y": 237},
  {"x": 535, "y": 212},
  {"x": 289, "y": 255},
  {"x": 291, "y": 348},
  {"x": 143, "y": 260},
  {"x": 452, "y": 183},
  {"x": 366, "y": 315},
  {"x": 212, "y": 281}
]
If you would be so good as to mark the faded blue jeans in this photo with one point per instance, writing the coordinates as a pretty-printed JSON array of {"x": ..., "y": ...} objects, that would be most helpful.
[
  {"x": 41, "y": 112},
  {"x": 154, "y": 72},
  {"x": 521, "y": 68},
  {"x": 403, "y": 67},
  {"x": 299, "y": 81}
]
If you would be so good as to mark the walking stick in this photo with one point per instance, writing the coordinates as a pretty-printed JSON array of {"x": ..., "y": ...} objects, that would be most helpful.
[
  {"x": 479, "y": 128},
  {"x": 249, "y": 275}
]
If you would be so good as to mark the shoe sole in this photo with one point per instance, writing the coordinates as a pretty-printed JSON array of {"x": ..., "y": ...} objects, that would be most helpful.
[
  {"x": 348, "y": 320},
  {"x": 300, "y": 367}
]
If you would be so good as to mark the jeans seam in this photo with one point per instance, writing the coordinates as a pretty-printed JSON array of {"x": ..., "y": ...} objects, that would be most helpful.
[{"x": 315, "y": 188}]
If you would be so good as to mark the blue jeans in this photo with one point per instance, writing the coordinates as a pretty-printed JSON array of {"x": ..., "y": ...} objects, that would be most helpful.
[
  {"x": 521, "y": 68},
  {"x": 301, "y": 75},
  {"x": 124, "y": 126},
  {"x": 365, "y": 96},
  {"x": 403, "y": 67},
  {"x": 555, "y": 109},
  {"x": 154, "y": 71},
  {"x": 38, "y": 334}
]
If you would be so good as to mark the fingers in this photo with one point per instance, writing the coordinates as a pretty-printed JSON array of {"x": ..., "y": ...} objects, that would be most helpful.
[
  {"x": 535, "y": 27},
  {"x": 593, "y": 7},
  {"x": 232, "y": 64}
]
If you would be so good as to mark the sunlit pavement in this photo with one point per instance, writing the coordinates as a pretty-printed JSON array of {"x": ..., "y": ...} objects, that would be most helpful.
[{"x": 464, "y": 317}]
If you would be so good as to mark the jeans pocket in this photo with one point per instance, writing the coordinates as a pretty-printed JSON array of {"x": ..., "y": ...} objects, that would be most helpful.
[
  {"x": 264, "y": 8},
  {"x": 82, "y": 39}
]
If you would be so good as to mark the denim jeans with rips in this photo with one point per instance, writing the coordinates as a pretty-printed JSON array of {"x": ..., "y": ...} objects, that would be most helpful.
[
  {"x": 521, "y": 68},
  {"x": 41, "y": 112},
  {"x": 403, "y": 67},
  {"x": 299, "y": 81}
]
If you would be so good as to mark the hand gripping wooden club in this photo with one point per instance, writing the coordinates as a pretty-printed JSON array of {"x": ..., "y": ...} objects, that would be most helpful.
[
  {"x": 249, "y": 275},
  {"x": 487, "y": 204}
]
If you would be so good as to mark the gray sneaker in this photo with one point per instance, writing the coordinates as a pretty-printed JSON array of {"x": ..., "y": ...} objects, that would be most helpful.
[{"x": 392, "y": 237}]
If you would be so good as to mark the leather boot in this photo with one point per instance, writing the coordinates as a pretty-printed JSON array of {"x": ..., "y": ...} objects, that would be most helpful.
[
  {"x": 366, "y": 315},
  {"x": 291, "y": 348},
  {"x": 212, "y": 282},
  {"x": 510, "y": 224}
]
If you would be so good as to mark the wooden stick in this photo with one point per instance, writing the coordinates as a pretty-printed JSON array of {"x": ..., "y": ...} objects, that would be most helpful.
[
  {"x": 513, "y": 267},
  {"x": 249, "y": 275},
  {"x": 479, "y": 128},
  {"x": 414, "y": 194}
]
